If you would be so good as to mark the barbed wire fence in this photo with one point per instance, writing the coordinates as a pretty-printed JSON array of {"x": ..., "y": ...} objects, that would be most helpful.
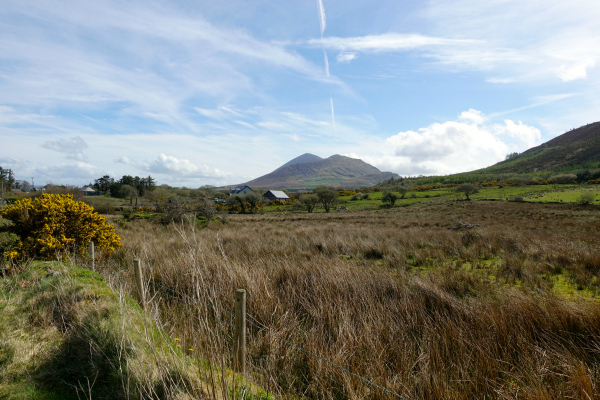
[{"x": 91, "y": 257}]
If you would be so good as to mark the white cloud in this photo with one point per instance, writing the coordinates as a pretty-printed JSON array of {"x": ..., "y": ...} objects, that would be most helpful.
[
  {"x": 345, "y": 57},
  {"x": 471, "y": 115},
  {"x": 500, "y": 80},
  {"x": 67, "y": 171},
  {"x": 220, "y": 113},
  {"x": 575, "y": 71},
  {"x": 525, "y": 134},
  {"x": 8, "y": 161},
  {"x": 170, "y": 165},
  {"x": 387, "y": 42},
  {"x": 294, "y": 137},
  {"x": 72, "y": 148},
  {"x": 546, "y": 39},
  {"x": 469, "y": 143},
  {"x": 125, "y": 160}
]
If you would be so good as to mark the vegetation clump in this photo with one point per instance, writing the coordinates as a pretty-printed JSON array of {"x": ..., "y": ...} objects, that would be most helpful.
[
  {"x": 389, "y": 197},
  {"x": 467, "y": 189},
  {"x": 53, "y": 223}
]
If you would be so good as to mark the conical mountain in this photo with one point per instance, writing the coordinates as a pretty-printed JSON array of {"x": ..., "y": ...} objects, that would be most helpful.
[{"x": 335, "y": 170}]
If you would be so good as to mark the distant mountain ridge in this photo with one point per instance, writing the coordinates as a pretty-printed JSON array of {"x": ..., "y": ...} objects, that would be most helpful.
[
  {"x": 571, "y": 149},
  {"x": 309, "y": 170}
]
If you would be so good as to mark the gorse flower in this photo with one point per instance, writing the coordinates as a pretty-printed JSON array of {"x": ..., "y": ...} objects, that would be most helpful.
[{"x": 53, "y": 223}]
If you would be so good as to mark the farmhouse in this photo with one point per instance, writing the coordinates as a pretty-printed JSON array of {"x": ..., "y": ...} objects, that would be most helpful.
[
  {"x": 276, "y": 195},
  {"x": 88, "y": 191},
  {"x": 240, "y": 190}
]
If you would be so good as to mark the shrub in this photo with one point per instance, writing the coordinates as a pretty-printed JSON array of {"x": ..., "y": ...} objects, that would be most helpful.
[
  {"x": 564, "y": 179},
  {"x": 53, "y": 223},
  {"x": 586, "y": 198},
  {"x": 309, "y": 201},
  {"x": 328, "y": 198},
  {"x": 402, "y": 190},
  {"x": 7, "y": 240},
  {"x": 467, "y": 189},
  {"x": 389, "y": 197},
  {"x": 101, "y": 205}
]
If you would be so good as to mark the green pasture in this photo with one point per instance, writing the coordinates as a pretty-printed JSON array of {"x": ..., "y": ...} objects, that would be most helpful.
[
  {"x": 530, "y": 193},
  {"x": 566, "y": 195}
]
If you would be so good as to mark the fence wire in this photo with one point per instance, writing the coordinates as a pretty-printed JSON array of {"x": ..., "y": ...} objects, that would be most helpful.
[{"x": 262, "y": 328}]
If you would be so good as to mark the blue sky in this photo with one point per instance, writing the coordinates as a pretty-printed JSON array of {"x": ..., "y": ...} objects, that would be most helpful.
[{"x": 197, "y": 93}]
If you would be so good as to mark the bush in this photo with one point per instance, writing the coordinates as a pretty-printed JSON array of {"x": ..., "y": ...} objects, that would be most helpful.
[
  {"x": 53, "y": 223},
  {"x": 586, "y": 198},
  {"x": 564, "y": 179},
  {"x": 7, "y": 240},
  {"x": 389, "y": 197},
  {"x": 467, "y": 189},
  {"x": 101, "y": 205}
]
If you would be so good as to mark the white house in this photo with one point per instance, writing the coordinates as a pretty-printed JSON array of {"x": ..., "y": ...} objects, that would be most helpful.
[{"x": 276, "y": 195}]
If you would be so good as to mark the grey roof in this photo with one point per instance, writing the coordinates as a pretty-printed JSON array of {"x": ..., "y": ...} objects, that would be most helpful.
[
  {"x": 87, "y": 189},
  {"x": 279, "y": 194}
]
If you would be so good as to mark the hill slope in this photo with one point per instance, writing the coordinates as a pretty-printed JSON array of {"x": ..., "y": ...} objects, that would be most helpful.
[
  {"x": 578, "y": 147},
  {"x": 333, "y": 170}
]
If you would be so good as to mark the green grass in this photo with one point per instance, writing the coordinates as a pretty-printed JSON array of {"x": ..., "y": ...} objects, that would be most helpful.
[
  {"x": 565, "y": 195},
  {"x": 64, "y": 331},
  {"x": 533, "y": 193}
]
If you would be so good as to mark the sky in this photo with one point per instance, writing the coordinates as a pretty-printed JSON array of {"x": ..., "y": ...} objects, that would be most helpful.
[{"x": 201, "y": 92}]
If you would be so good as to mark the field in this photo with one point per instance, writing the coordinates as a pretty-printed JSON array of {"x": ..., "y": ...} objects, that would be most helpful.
[{"x": 505, "y": 307}]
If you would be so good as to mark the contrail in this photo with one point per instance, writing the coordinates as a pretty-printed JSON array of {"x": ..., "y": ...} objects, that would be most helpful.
[
  {"x": 326, "y": 63},
  {"x": 332, "y": 114},
  {"x": 322, "y": 18},
  {"x": 323, "y": 23}
]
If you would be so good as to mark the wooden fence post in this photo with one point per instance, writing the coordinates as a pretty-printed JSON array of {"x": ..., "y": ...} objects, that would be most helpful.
[
  {"x": 137, "y": 267},
  {"x": 239, "y": 345},
  {"x": 91, "y": 255}
]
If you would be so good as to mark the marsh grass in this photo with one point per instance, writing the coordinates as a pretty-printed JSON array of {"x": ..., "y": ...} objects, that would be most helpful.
[{"x": 393, "y": 295}]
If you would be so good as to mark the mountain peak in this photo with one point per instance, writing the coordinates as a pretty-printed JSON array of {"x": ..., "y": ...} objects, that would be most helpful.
[{"x": 304, "y": 158}]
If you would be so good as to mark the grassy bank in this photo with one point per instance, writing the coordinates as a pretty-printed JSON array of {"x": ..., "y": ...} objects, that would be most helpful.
[{"x": 65, "y": 334}]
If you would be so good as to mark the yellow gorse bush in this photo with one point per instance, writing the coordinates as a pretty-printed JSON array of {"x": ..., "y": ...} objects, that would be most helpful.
[{"x": 53, "y": 223}]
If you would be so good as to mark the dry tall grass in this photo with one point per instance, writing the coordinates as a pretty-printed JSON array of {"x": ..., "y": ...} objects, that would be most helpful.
[{"x": 394, "y": 296}]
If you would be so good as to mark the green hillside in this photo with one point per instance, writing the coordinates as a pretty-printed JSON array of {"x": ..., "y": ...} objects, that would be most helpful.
[{"x": 578, "y": 148}]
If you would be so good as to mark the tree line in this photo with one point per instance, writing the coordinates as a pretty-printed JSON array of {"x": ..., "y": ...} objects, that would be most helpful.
[{"x": 127, "y": 186}]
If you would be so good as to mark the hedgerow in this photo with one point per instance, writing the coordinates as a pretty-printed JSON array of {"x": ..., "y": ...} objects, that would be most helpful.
[{"x": 54, "y": 223}]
